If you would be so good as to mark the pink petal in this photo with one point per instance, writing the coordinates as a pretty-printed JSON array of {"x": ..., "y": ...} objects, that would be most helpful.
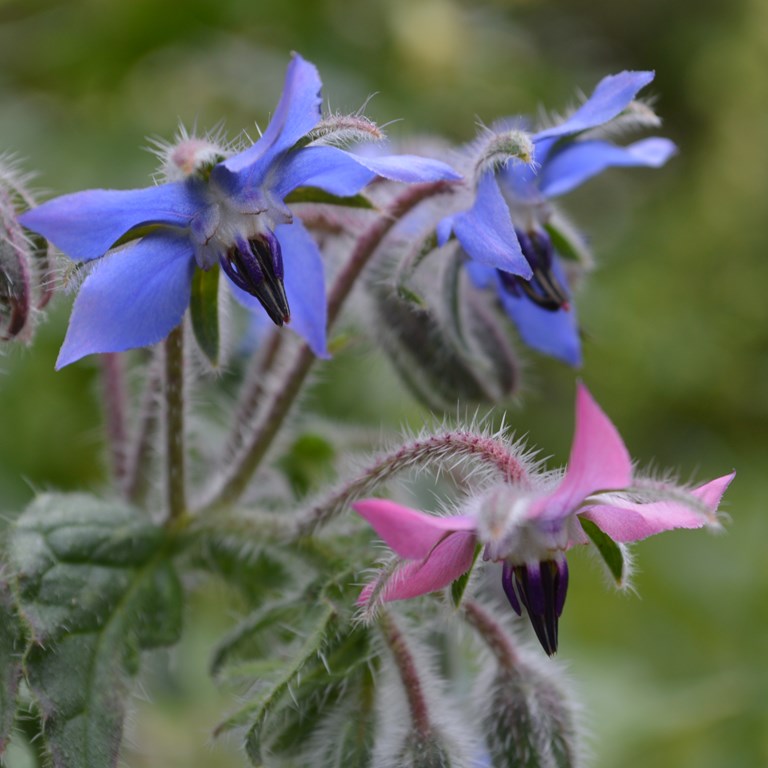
[
  {"x": 626, "y": 521},
  {"x": 410, "y": 533},
  {"x": 599, "y": 460},
  {"x": 447, "y": 561}
]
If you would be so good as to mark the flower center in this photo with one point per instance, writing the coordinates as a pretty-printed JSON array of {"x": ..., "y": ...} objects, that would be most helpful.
[
  {"x": 541, "y": 588},
  {"x": 543, "y": 289},
  {"x": 256, "y": 266}
]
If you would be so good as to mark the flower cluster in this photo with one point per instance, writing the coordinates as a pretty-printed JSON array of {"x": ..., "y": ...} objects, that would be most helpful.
[
  {"x": 529, "y": 529},
  {"x": 216, "y": 208}
]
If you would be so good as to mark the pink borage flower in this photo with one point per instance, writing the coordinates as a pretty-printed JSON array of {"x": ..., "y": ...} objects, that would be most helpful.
[{"x": 528, "y": 530}]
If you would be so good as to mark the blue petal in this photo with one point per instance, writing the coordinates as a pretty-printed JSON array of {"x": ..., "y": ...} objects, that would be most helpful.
[
  {"x": 296, "y": 115},
  {"x": 328, "y": 168},
  {"x": 85, "y": 225},
  {"x": 344, "y": 173},
  {"x": 486, "y": 232},
  {"x": 582, "y": 160},
  {"x": 444, "y": 230},
  {"x": 304, "y": 286},
  {"x": 134, "y": 297},
  {"x": 610, "y": 98},
  {"x": 553, "y": 333},
  {"x": 410, "y": 169}
]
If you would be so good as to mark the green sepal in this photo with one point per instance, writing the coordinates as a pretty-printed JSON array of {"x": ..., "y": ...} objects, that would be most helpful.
[
  {"x": 317, "y": 195},
  {"x": 204, "y": 310},
  {"x": 567, "y": 242},
  {"x": 611, "y": 552},
  {"x": 459, "y": 586},
  {"x": 136, "y": 233},
  {"x": 94, "y": 587}
]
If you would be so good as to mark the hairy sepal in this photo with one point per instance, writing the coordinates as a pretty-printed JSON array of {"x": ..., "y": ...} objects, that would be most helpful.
[{"x": 94, "y": 587}]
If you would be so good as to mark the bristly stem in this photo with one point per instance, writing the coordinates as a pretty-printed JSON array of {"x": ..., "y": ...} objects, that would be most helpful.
[
  {"x": 257, "y": 442},
  {"x": 409, "y": 674},
  {"x": 137, "y": 473},
  {"x": 174, "y": 423},
  {"x": 115, "y": 406},
  {"x": 494, "y": 635},
  {"x": 443, "y": 448}
]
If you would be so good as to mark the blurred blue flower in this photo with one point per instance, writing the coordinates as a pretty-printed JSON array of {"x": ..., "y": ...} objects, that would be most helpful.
[
  {"x": 213, "y": 209},
  {"x": 504, "y": 233}
]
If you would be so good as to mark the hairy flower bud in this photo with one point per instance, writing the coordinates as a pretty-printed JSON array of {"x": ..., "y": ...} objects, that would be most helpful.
[
  {"x": 449, "y": 347},
  {"x": 24, "y": 265}
]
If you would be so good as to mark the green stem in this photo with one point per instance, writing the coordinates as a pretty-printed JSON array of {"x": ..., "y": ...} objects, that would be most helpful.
[
  {"x": 137, "y": 474},
  {"x": 174, "y": 424},
  {"x": 115, "y": 401},
  {"x": 258, "y": 441}
]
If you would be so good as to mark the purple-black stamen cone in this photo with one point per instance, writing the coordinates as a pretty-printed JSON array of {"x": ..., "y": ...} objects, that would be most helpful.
[
  {"x": 256, "y": 266},
  {"x": 542, "y": 588},
  {"x": 543, "y": 289}
]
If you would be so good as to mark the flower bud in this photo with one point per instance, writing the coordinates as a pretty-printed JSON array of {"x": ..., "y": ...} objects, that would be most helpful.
[
  {"x": 24, "y": 266},
  {"x": 527, "y": 718},
  {"x": 449, "y": 346}
]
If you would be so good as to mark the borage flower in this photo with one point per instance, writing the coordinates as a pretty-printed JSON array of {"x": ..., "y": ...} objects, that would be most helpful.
[
  {"x": 528, "y": 530},
  {"x": 214, "y": 209},
  {"x": 512, "y": 215}
]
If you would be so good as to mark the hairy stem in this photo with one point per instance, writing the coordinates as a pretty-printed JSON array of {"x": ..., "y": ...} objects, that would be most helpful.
[
  {"x": 137, "y": 472},
  {"x": 443, "y": 448},
  {"x": 409, "y": 675},
  {"x": 115, "y": 406},
  {"x": 174, "y": 423},
  {"x": 257, "y": 442},
  {"x": 494, "y": 635}
]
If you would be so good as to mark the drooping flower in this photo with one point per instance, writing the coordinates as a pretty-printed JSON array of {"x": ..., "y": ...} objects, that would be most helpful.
[
  {"x": 215, "y": 209},
  {"x": 528, "y": 530},
  {"x": 511, "y": 212}
]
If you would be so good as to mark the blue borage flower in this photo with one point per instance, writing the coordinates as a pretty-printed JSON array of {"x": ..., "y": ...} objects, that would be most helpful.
[
  {"x": 503, "y": 232},
  {"x": 228, "y": 210}
]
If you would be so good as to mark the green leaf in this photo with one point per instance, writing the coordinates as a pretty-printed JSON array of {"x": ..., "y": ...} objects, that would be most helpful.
[
  {"x": 95, "y": 587},
  {"x": 204, "y": 309},
  {"x": 330, "y": 679},
  {"x": 317, "y": 195},
  {"x": 11, "y": 647},
  {"x": 608, "y": 549}
]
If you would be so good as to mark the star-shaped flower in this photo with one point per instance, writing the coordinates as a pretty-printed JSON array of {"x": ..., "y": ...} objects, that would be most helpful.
[
  {"x": 529, "y": 530},
  {"x": 214, "y": 210},
  {"x": 504, "y": 232}
]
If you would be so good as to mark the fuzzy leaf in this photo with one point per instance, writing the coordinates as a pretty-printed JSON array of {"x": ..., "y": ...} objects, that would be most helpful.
[
  {"x": 317, "y": 195},
  {"x": 95, "y": 588},
  {"x": 11, "y": 646},
  {"x": 608, "y": 549},
  {"x": 204, "y": 309},
  {"x": 332, "y": 679}
]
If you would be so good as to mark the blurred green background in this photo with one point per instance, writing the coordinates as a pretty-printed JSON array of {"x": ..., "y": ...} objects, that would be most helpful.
[{"x": 676, "y": 313}]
